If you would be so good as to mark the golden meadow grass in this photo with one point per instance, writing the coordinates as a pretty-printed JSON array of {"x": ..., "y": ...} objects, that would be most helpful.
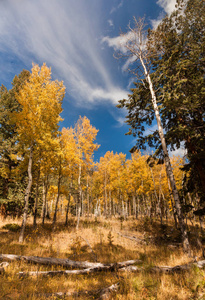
[{"x": 102, "y": 236}]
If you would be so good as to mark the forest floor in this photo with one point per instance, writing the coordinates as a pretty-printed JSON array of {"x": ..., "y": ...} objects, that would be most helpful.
[{"x": 105, "y": 241}]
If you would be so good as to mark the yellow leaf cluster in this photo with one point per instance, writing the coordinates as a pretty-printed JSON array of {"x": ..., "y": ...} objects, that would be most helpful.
[{"x": 41, "y": 100}]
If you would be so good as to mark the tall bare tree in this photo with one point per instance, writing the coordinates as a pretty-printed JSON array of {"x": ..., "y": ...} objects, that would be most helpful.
[{"x": 134, "y": 47}]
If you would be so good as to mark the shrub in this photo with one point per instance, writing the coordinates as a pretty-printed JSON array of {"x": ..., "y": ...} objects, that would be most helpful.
[{"x": 12, "y": 227}]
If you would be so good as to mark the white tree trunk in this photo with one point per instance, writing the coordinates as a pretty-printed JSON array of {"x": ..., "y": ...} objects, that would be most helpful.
[
  {"x": 27, "y": 194},
  {"x": 169, "y": 170}
]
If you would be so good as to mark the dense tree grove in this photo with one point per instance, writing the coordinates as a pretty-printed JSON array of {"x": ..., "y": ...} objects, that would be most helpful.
[
  {"x": 45, "y": 172},
  {"x": 66, "y": 179}
]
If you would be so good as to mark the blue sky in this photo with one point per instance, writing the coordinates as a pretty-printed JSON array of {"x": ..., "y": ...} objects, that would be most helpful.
[{"x": 74, "y": 38}]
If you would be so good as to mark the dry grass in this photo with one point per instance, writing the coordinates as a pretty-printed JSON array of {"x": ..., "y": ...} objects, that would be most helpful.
[{"x": 65, "y": 242}]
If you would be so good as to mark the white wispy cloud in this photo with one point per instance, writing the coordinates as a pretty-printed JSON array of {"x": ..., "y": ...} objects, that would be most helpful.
[
  {"x": 114, "y": 8},
  {"x": 119, "y": 42},
  {"x": 181, "y": 151},
  {"x": 168, "y": 7},
  {"x": 110, "y": 22},
  {"x": 64, "y": 34},
  {"x": 150, "y": 129}
]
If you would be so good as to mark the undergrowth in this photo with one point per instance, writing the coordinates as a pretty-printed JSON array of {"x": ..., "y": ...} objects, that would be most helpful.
[{"x": 100, "y": 239}]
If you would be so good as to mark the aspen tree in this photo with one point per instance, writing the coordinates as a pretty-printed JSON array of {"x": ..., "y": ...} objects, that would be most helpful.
[
  {"x": 135, "y": 47},
  {"x": 85, "y": 135},
  {"x": 37, "y": 122}
]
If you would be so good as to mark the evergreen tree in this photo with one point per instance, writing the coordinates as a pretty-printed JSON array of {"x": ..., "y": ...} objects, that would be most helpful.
[
  {"x": 178, "y": 59},
  {"x": 8, "y": 134},
  {"x": 177, "y": 63}
]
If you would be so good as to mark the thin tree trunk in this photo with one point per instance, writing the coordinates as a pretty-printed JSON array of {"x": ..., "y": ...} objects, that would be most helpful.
[
  {"x": 68, "y": 204},
  {"x": 139, "y": 212},
  {"x": 170, "y": 175},
  {"x": 36, "y": 199},
  {"x": 78, "y": 219},
  {"x": 110, "y": 203},
  {"x": 27, "y": 194},
  {"x": 173, "y": 206},
  {"x": 105, "y": 194},
  {"x": 161, "y": 203},
  {"x": 82, "y": 203},
  {"x": 79, "y": 197},
  {"x": 44, "y": 203},
  {"x": 58, "y": 195},
  {"x": 45, "y": 190},
  {"x": 88, "y": 205},
  {"x": 67, "y": 209}
]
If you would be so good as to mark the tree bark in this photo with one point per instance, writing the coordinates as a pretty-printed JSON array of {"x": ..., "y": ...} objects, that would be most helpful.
[
  {"x": 36, "y": 198},
  {"x": 79, "y": 197},
  {"x": 67, "y": 209},
  {"x": 64, "y": 262},
  {"x": 58, "y": 195},
  {"x": 78, "y": 217},
  {"x": 45, "y": 190},
  {"x": 27, "y": 194},
  {"x": 111, "y": 268}
]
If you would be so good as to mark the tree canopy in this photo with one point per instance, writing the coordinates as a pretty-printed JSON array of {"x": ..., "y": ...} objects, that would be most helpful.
[{"x": 175, "y": 51}]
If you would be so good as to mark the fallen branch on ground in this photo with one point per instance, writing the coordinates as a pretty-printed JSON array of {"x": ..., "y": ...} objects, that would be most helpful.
[
  {"x": 50, "y": 261},
  {"x": 108, "y": 267},
  {"x": 62, "y": 262},
  {"x": 166, "y": 269},
  {"x": 3, "y": 265},
  {"x": 89, "y": 267},
  {"x": 94, "y": 254},
  {"x": 133, "y": 238},
  {"x": 104, "y": 293},
  {"x": 126, "y": 266},
  {"x": 101, "y": 294},
  {"x": 179, "y": 268}
]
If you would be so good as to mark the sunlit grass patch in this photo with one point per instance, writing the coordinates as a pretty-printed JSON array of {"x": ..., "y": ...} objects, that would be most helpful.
[{"x": 98, "y": 240}]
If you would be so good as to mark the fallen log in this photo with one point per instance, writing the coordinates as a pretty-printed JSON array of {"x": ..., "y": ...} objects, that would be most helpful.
[
  {"x": 102, "y": 294},
  {"x": 65, "y": 272},
  {"x": 105, "y": 293},
  {"x": 179, "y": 268},
  {"x": 133, "y": 238},
  {"x": 89, "y": 267},
  {"x": 61, "y": 295},
  {"x": 109, "y": 267},
  {"x": 50, "y": 261},
  {"x": 127, "y": 266},
  {"x": 62, "y": 262},
  {"x": 165, "y": 269},
  {"x": 3, "y": 265}
]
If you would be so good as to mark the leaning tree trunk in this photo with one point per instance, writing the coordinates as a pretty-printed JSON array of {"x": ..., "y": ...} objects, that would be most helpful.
[
  {"x": 27, "y": 193},
  {"x": 169, "y": 171},
  {"x": 67, "y": 209}
]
